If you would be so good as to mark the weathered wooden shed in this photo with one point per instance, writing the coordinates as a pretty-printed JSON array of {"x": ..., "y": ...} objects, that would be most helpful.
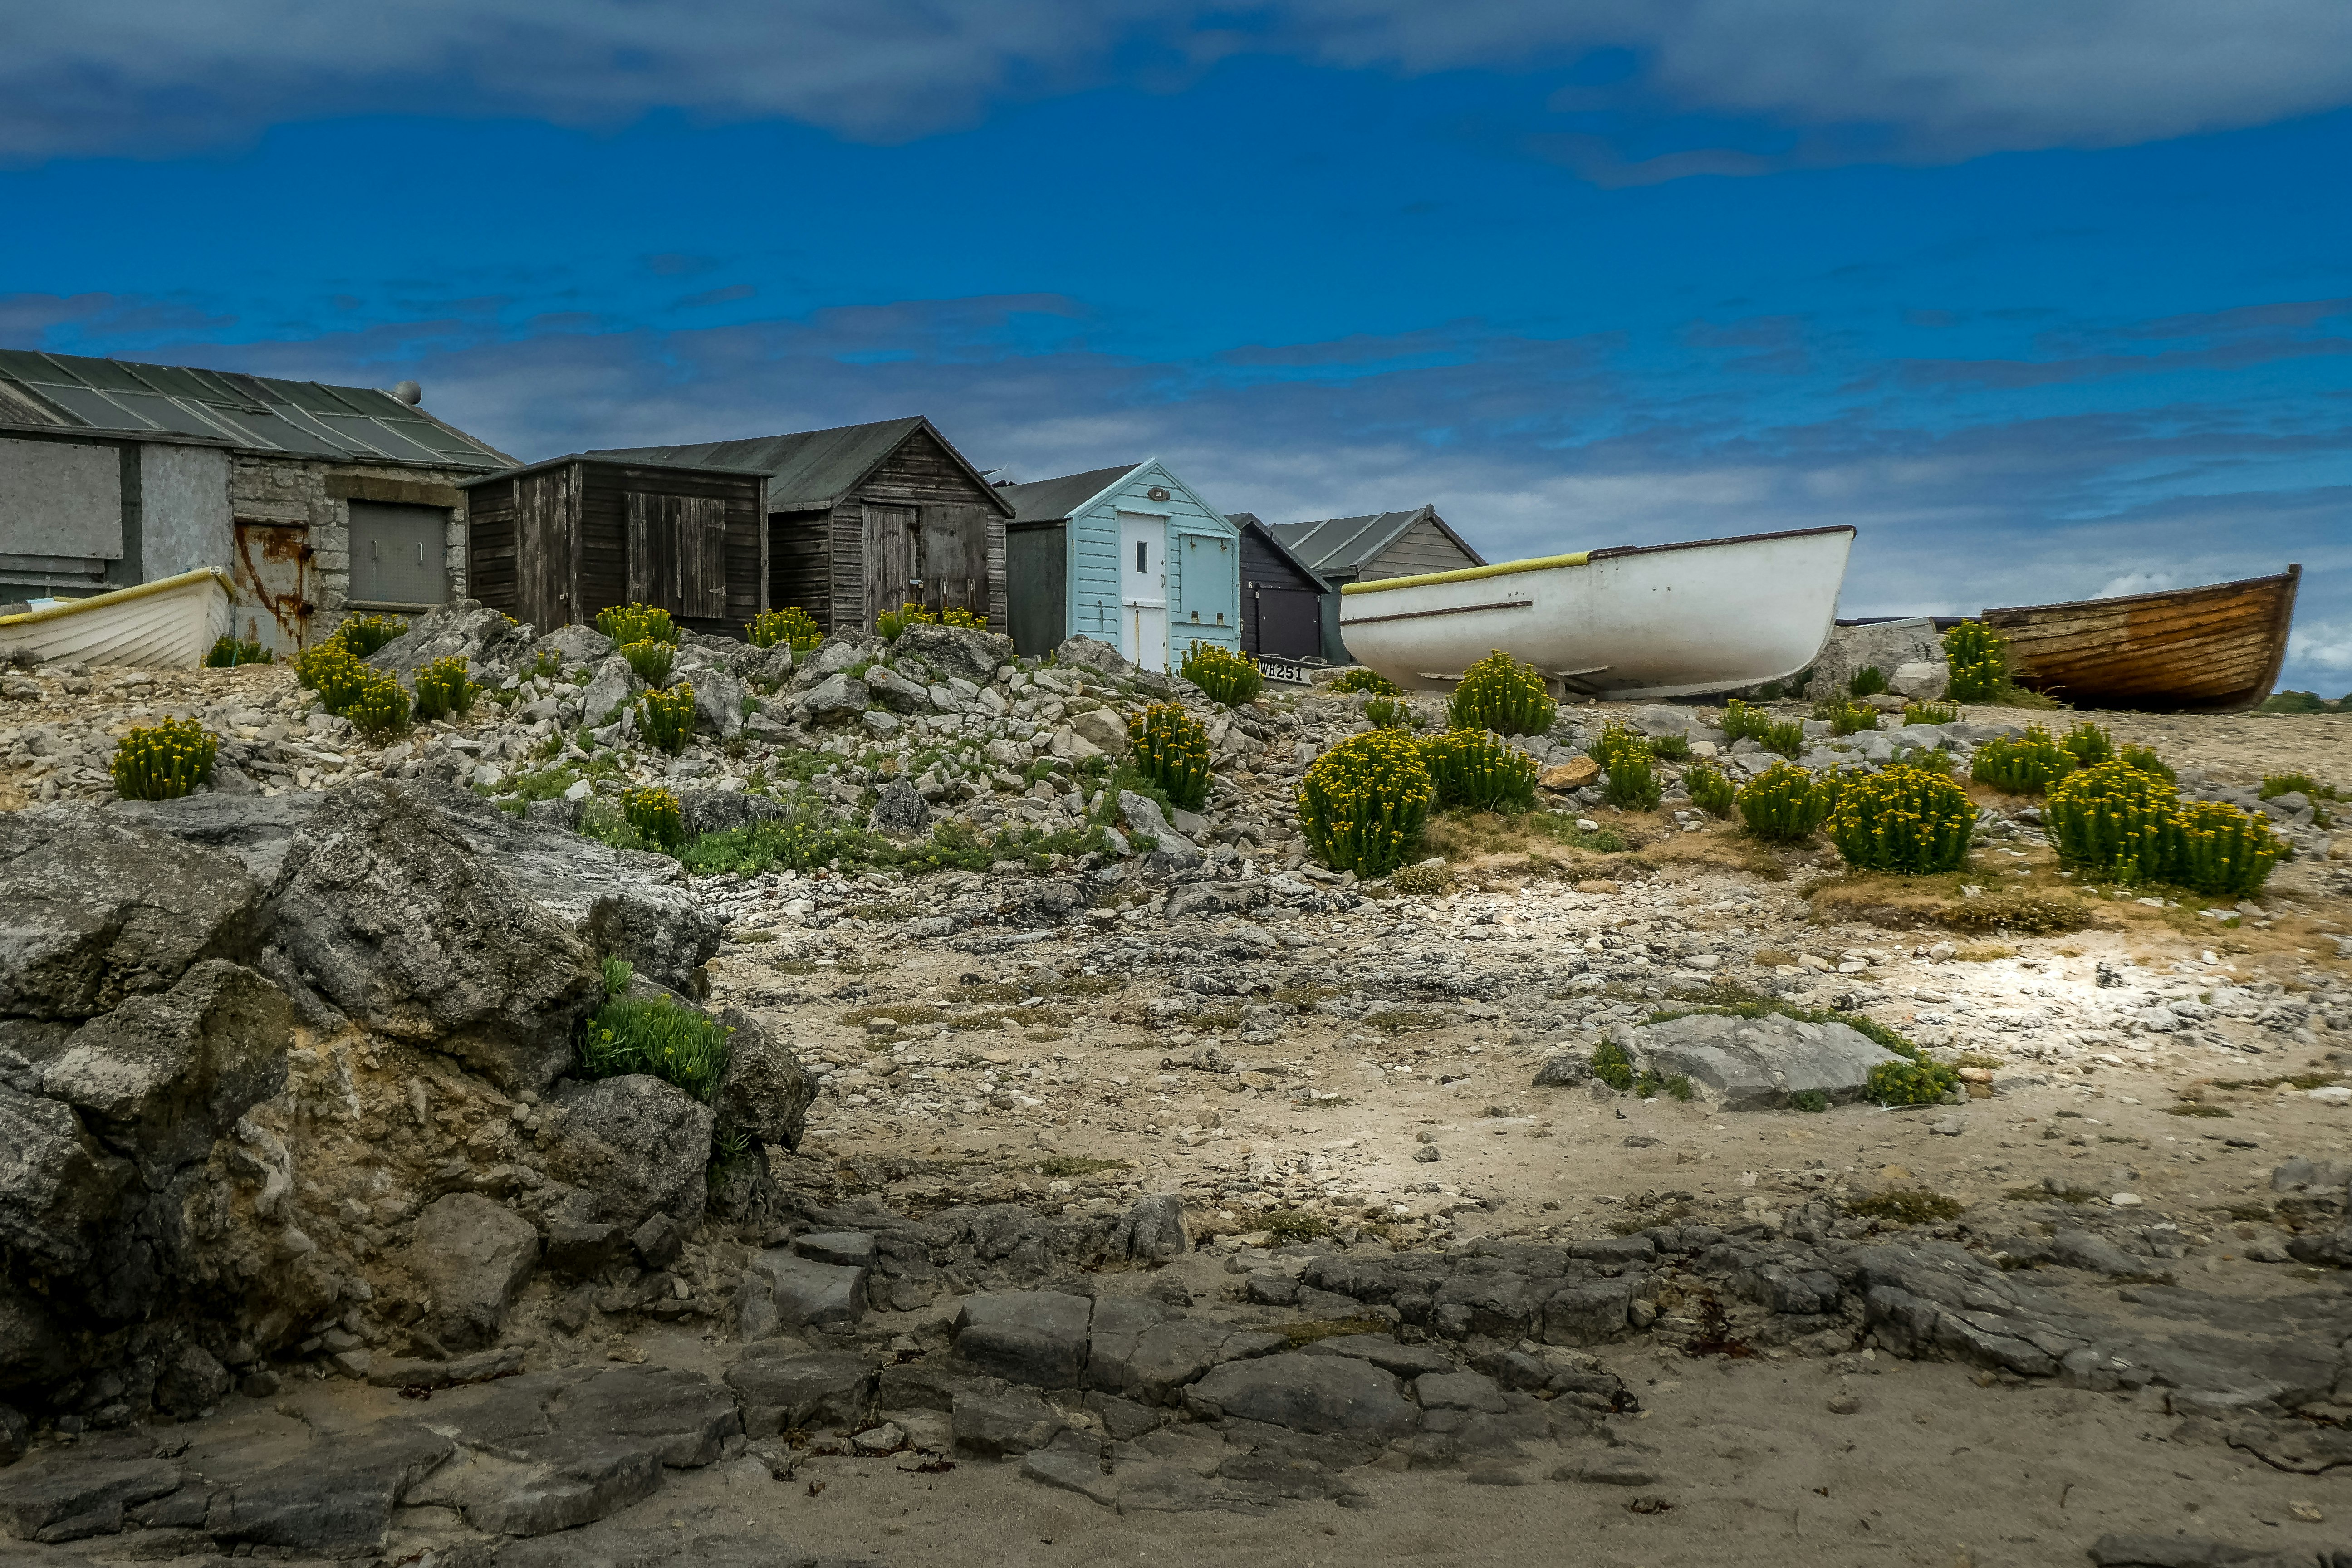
[
  {"x": 867, "y": 518},
  {"x": 1343, "y": 550},
  {"x": 1130, "y": 555},
  {"x": 553, "y": 542},
  {"x": 1282, "y": 598}
]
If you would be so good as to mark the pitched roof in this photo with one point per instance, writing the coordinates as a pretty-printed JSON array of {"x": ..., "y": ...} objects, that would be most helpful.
[
  {"x": 808, "y": 469},
  {"x": 1050, "y": 500},
  {"x": 1340, "y": 546},
  {"x": 1249, "y": 522},
  {"x": 258, "y": 413}
]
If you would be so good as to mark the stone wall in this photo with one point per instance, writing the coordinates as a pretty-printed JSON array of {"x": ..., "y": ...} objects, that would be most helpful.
[{"x": 318, "y": 494}]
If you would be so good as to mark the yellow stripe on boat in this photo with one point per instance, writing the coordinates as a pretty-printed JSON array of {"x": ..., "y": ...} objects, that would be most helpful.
[
  {"x": 1468, "y": 573},
  {"x": 117, "y": 596}
]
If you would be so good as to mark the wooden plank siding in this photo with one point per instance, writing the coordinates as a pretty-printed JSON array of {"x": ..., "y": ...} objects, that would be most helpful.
[
  {"x": 800, "y": 563},
  {"x": 1423, "y": 547},
  {"x": 961, "y": 547},
  {"x": 490, "y": 544},
  {"x": 729, "y": 508},
  {"x": 1278, "y": 598}
]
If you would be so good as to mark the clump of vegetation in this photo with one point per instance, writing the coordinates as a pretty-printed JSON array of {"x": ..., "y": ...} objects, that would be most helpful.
[
  {"x": 791, "y": 626},
  {"x": 891, "y": 623},
  {"x": 227, "y": 653},
  {"x": 654, "y": 814},
  {"x": 2027, "y": 765},
  {"x": 1930, "y": 758},
  {"x": 1611, "y": 1066},
  {"x": 1783, "y": 804},
  {"x": 666, "y": 717},
  {"x": 1930, "y": 713},
  {"x": 1633, "y": 783},
  {"x": 2026, "y": 914},
  {"x": 1867, "y": 681},
  {"x": 2220, "y": 849},
  {"x": 1171, "y": 749},
  {"x": 1362, "y": 803},
  {"x": 1420, "y": 880},
  {"x": 1979, "y": 657},
  {"x": 333, "y": 671},
  {"x": 1846, "y": 717},
  {"x": 1921, "y": 1080},
  {"x": 1905, "y": 820},
  {"x": 625, "y": 623},
  {"x": 1670, "y": 748},
  {"x": 165, "y": 761},
  {"x": 1473, "y": 771},
  {"x": 365, "y": 634},
  {"x": 2089, "y": 745},
  {"x": 2304, "y": 784},
  {"x": 1786, "y": 736},
  {"x": 2302, "y": 702},
  {"x": 1710, "y": 791},
  {"x": 1288, "y": 1227},
  {"x": 1225, "y": 675},
  {"x": 650, "y": 659},
  {"x": 1389, "y": 713},
  {"x": 1501, "y": 694},
  {"x": 2115, "y": 822},
  {"x": 443, "y": 688},
  {"x": 379, "y": 711},
  {"x": 653, "y": 1034},
  {"x": 2145, "y": 760},
  {"x": 1905, "y": 1207},
  {"x": 1742, "y": 721},
  {"x": 1366, "y": 681}
]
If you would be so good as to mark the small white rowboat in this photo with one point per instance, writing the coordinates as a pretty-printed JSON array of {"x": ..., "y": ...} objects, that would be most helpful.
[
  {"x": 1652, "y": 620},
  {"x": 168, "y": 623}
]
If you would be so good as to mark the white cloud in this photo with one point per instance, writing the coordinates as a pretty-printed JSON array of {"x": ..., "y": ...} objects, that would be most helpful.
[
  {"x": 1926, "y": 79},
  {"x": 2131, "y": 583},
  {"x": 2327, "y": 645}
]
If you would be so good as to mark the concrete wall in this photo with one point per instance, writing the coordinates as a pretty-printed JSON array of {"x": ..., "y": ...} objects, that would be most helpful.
[
  {"x": 318, "y": 495},
  {"x": 60, "y": 499},
  {"x": 185, "y": 520}
]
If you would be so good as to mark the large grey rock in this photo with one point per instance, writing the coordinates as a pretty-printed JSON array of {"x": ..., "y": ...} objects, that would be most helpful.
[
  {"x": 718, "y": 699},
  {"x": 93, "y": 910},
  {"x": 727, "y": 810},
  {"x": 464, "y": 627},
  {"x": 391, "y": 914},
  {"x": 896, "y": 692},
  {"x": 470, "y": 1259},
  {"x": 1922, "y": 680},
  {"x": 1103, "y": 729},
  {"x": 1142, "y": 815},
  {"x": 1094, "y": 655},
  {"x": 32, "y": 1351},
  {"x": 993, "y": 1422},
  {"x": 1588, "y": 1312},
  {"x": 1037, "y": 1337},
  {"x": 766, "y": 1093},
  {"x": 613, "y": 687},
  {"x": 334, "y": 1498},
  {"x": 67, "y": 1497},
  {"x": 575, "y": 646},
  {"x": 1154, "y": 1362},
  {"x": 838, "y": 699},
  {"x": 958, "y": 651},
  {"x": 161, "y": 1078},
  {"x": 828, "y": 1388},
  {"x": 1564, "y": 1069},
  {"x": 58, "y": 1190},
  {"x": 1153, "y": 1231},
  {"x": 1757, "y": 1064},
  {"x": 1888, "y": 647},
  {"x": 635, "y": 1147},
  {"x": 256, "y": 830},
  {"x": 901, "y": 810},
  {"x": 1308, "y": 1394},
  {"x": 781, "y": 1291}
]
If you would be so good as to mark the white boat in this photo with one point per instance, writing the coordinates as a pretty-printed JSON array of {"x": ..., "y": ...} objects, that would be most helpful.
[
  {"x": 168, "y": 623},
  {"x": 1636, "y": 621}
]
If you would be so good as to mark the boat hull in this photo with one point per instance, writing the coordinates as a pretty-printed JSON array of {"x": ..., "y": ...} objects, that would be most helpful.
[
  {"x": 2215, "y": 646},
  {"x": 1647, "y": 621},
  {"x": 168, "y": 623}
]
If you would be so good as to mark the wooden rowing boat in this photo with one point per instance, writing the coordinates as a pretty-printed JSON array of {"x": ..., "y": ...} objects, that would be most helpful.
[
  {"x": 168, "y": 623},
  {"x": 1651, "y": 620},
  {"x": 2217, "y": 647}
]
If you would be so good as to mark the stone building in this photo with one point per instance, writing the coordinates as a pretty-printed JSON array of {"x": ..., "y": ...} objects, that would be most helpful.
[{"x": 316, "y": 501}]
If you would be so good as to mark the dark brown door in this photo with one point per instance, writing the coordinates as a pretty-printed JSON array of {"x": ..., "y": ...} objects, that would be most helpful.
[
  {"x": 1289, "y": 623},
  {"x": 545, "y": 504},
  {"x": 894, "y": 559},
  {"x": 677, "y": 554}
]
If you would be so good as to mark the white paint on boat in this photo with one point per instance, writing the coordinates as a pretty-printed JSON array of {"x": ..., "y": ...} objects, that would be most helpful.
[
  {"x": 1637, "y": 621},
  {"x": 168, "y": 623}
]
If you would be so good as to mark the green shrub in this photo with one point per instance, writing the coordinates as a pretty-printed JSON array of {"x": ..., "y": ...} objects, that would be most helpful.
[
  {"x": 1225, "y": 675},
  {"x": 791, "y": 626},
  {"x": 654, "y": 814},
  {"x": 2146, "y": 761},
  {"x": 2297, "y": 702},
  {"x": 165, "y": 761},
  {"x": 1389, "y": 713},
  {"x": 891, "y": 623},
  {"x": 1670, "y": 748},
  {"x": 1172, "y": 749},
  {"x": 653, "y": 1034},
  {"x": 2310, "y": 788},
  {"x": 617, "y": 973},
  {"x": 1611, "y": 1066},
  {"x": 2088, "y": 745},
  {"x": 1633, "y": 783},
  {"x": 1930, "y": 713},
  {"x": 1929, "y": 759},
  {"x": 666, "y": 717},
  {"x": 365, "y": 634},
  {"x": 442, "y": 688},
  {"x": 1846, "y": 717},
  {"x": 2024, "y": 766},
  {"x": 1710, "y": 791},
  {"x": 1784, "y": 803},
  {"x": 636, "y": 623},
  {"x": 1867, "y": 681},
  {"x": 1614, "y": 739},
  {"x": 1742, "y": 721},
  {"x": 650, "y": 659},
  {"x": 1786, "y": 736},
  {"x": 1474, "y": 772},
  {"x": 1361, "y": 679},
  {"x": 334, "y": 672},
  {"x": 380, "y": 708},
  {"x": 1979, "y": 659},
  {"x": 2115, "y": 821},
  {"x": 1905, "y": 820},
  {"x": 1919, "y": 1081},
  {"x": 227, "y": 653},
  {"x": 1501, "y": 694},
  {"x": 1362, "y": 803},
  {"x": 2223, "y": 850}
]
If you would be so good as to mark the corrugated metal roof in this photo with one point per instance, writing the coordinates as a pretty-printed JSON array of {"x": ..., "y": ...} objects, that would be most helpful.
[
  {"x": 1342, "y": 546},
  {"x": 1249, "y": 520},
  {"x": 1050, "y": 500},
  {"x": 808, "y": 469},
  {"x": 304, "y": 417}
]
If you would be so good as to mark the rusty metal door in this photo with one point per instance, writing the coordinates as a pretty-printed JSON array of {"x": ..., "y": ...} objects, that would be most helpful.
[{"x": 273, "y": 585}]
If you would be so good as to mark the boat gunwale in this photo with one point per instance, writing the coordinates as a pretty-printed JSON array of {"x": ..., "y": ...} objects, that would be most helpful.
[
  {"x": 2125, "y": 601},
  {"x": 117, "y": 596},
  {"x": 1578, "y": 558}
]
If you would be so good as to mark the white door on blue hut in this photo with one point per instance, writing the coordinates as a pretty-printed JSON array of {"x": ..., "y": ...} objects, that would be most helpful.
[{"x": 1143, "y": 589}]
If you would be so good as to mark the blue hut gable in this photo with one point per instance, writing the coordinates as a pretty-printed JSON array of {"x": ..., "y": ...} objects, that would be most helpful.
[{"x": 1131, "y": 556}]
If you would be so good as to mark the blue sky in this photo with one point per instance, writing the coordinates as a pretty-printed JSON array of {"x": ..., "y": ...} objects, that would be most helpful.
[{"x": 2045, "y": 304}]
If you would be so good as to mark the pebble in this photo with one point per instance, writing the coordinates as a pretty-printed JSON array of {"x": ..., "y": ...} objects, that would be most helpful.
[{"x": 1843, "y": 1404}]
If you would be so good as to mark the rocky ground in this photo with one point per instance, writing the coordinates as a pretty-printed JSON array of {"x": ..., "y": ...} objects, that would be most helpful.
[{"x": 1184, "y": 1197}]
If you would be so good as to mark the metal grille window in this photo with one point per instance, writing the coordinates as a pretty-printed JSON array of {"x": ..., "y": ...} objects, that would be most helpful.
[{"x": 400, "y": 555}]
